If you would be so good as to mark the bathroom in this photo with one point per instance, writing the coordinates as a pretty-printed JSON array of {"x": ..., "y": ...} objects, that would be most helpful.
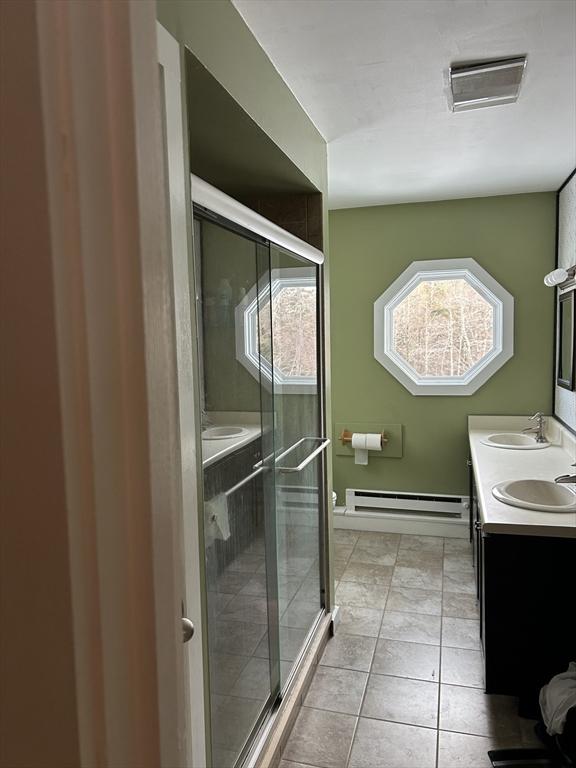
[
  {"x": 343, "y": 616},
  {"x": 346, "y": 437}
]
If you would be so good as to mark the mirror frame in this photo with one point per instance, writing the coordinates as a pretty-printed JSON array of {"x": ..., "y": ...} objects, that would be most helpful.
[{"x": 569, "y": 383}]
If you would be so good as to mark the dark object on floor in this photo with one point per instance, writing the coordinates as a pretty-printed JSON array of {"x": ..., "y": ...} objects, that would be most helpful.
[
  {"x": 559, "y": 752},
  {"x": 523, "y": 758}
]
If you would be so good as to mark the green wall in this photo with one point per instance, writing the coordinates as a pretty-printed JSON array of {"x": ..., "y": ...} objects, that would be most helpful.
[
  {"x": 513, "y": 238},
  {"x": 217, "y": 35}
]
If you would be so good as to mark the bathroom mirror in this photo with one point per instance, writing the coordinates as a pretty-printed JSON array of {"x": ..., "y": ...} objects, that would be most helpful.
[{"x": 566, "y": 340}]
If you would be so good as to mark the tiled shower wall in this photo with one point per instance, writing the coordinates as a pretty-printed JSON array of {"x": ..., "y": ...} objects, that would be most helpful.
[
  {"x": 565, "y": 401},
  {"x": 300, "y": 214}
]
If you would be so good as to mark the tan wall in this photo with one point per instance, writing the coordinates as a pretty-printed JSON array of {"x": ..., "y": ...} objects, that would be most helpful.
[{"x": 38, "y": 725}]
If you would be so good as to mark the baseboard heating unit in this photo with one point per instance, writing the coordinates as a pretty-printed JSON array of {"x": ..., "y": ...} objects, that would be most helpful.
[{"x": 398, "y": 512}]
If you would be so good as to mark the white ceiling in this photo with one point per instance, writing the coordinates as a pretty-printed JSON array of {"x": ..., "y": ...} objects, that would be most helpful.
[{"x": 371, "y": 74}]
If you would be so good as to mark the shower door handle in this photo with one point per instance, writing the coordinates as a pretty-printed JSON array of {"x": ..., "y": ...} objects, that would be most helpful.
[{"x": 322, "y": 447}]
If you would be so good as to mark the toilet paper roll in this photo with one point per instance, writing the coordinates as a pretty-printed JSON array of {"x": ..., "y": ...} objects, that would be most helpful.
[{"x": 362, "y": 443}]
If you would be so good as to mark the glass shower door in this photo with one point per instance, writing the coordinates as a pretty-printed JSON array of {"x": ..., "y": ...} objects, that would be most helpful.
[
  {"x": 298, "y": 431},
  {"x": 238, "y": 484}
]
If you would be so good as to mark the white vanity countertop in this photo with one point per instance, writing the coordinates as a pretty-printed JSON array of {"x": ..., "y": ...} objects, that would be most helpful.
[
  {"x": 215, "y": 450},
  {"x": 495, "y": 465}
]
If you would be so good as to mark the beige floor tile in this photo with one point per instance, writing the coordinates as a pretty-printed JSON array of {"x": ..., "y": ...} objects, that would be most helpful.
[
  {"x": 380, "y": 744},
  {"x": 411, "y": 627},
  {"x": 458, "y": 545},
  {"x": 425, "y": 577},
  {"x": 408, "y": 600},
  {"x": 290, "y": 764},
  {"x": 349, "y": 651},
  {"x": 339, "y": 568},
  {"x": 337, "y": 690},
  {"x": 461, "y": 633},
  {"x": 361, "y": 595},
  {"x": 415, "y": 660},
  {"x": 419, "y": 558},
  {"x": 342, "y": 536},
  {"x": 460, "y": 750},
  {"x": 460, "y": 583},
  {"x": 343, "y": 551},
  {"x": 320, "y": 738},
  {"x": 376, "y": 539},
  {"x": 470, "y": 710},
  {"x": 462, "y": 667},
  {"x": 359, "y": 621},
  {"x": 376, "y": 555},
  {"x": 422, "y": 543},
  {"x": 368, "y": 573},
  {"x": 401, "y": 700},
  {"x": 455, "y": 562},
  {"x": 460, "y": 606}
]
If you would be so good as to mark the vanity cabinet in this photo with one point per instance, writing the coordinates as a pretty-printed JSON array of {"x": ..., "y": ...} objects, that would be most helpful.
[{"x": 526, "y": 587}]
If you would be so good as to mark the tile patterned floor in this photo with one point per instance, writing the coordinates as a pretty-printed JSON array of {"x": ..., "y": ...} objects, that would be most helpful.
[{"x": 401, "y": 684}]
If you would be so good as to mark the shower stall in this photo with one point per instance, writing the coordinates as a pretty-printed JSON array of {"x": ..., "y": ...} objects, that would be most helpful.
[{"x": 259, "y": 315}]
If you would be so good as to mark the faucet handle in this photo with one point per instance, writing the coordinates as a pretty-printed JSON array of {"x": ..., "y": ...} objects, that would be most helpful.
[{"x": 537, "y": 415}]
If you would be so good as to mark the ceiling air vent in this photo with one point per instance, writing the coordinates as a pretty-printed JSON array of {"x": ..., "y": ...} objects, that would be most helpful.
[{"x": 486, "y": 83}]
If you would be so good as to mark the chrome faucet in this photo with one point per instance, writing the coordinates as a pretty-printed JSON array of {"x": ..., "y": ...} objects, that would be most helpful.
[
  {"x": 566, "y": 478},
  {"x": 539, "y": 428}
]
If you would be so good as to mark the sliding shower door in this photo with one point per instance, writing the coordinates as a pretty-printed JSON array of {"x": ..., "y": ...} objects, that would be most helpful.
[
  {"x": 299, "y": 448},
  {"x": 262, "y": 455},
  {"x": 238, "y": 484}
]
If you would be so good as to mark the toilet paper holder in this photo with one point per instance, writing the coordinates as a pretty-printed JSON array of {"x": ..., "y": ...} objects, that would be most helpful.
[{"x": 346, "y": 437}]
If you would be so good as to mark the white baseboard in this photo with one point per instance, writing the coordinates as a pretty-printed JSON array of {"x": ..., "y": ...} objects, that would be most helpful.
[{"x": 390, "y": 523}]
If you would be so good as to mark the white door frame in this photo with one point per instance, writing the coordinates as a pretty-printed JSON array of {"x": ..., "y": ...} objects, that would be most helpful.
[
  {"x": 112, "y": 293},
  {"x": 169, "y": 53}
]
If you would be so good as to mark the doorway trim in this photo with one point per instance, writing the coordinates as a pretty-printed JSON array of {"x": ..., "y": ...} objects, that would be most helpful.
[
  {"x": 113, "y": 304},
  {"x": 193, "y": 604}
]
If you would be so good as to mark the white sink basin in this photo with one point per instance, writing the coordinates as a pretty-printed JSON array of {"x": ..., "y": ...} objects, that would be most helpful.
[
  {"x": 223, "y": 433},
  {"x": 540, "y": 495},
  {"x": 513, "y": 440}
]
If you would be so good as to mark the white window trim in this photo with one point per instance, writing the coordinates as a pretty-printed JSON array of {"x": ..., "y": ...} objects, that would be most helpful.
[
  {"x": 444, "y": 269},
  {"x": 247, "y": 344}
]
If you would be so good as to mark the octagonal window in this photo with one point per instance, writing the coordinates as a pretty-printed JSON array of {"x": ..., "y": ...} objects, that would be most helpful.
[
  {"x": 443, "y": 327},
  {"x": 287, "y": 333}
]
